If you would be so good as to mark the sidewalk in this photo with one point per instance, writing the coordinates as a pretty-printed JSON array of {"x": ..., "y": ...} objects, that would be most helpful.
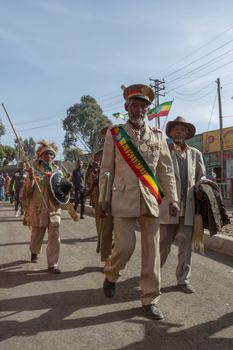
[{"x": 219, "y": 243}]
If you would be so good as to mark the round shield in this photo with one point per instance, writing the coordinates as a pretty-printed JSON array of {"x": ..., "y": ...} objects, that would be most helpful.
[{"x": 60, "y": 187}]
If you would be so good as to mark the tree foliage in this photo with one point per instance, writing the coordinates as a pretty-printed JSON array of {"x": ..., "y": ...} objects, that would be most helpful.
[
  {"x": 2, "y": 129},
  {"x": 29, "y": 146},
  {"x": 84, "y": 123},
  {"x": 72, "y": 154},
  {"x": 7, "y": 154}
]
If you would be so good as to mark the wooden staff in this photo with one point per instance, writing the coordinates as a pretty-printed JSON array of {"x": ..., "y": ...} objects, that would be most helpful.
[{"x": 23, "y": 151}]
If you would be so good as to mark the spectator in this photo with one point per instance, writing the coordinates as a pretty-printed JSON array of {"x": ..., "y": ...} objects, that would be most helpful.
[
  {"x": 2, "y": 187},
  {"x": 16, "y": 185},
  {"x": 7, "y": 185},
  {"x": 79, "y": 183},
  {"x": 211, "y": 174}
]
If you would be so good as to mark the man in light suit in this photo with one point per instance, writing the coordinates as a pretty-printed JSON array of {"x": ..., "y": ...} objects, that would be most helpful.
[
  {"x": 189, "y": 168},
  {"x": 132, "y": 198}
]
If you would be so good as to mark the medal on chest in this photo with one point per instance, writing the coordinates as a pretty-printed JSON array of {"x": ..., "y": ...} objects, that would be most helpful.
[{"x": 143, "y": 147}]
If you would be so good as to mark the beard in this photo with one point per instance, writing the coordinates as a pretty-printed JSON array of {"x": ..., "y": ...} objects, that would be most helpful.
[{"x": 137, "y": 121}]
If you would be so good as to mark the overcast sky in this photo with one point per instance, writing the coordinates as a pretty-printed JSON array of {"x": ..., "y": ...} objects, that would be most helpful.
[{"x": 55, "y": 51}]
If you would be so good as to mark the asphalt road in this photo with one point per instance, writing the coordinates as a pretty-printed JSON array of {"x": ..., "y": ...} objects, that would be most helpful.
[{"x": 69, "y": 311}]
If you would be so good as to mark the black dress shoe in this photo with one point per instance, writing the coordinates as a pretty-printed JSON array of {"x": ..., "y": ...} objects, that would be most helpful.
[
  {"x": 186, "y": 288},
  {"x": 109, "y": 288},
  {"x": 153, "y": 311},
  {"x": 54, "y": 269},
  {"x": 34, "y": 258}
]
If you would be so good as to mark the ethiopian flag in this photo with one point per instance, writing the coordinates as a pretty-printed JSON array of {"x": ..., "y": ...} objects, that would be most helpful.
[
  {"x": 161, "y": 110},
  {"x": 121, "y": 115}
]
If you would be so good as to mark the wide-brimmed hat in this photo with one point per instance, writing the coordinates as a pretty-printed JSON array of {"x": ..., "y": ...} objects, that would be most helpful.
[
  {"x": 60, "y": 187},
  {"x": 141, "y": 91},
  {"x": 180, "y": 120}
]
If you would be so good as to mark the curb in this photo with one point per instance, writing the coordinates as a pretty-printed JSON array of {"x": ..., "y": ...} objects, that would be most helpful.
[{"x": 219, "y": 243}]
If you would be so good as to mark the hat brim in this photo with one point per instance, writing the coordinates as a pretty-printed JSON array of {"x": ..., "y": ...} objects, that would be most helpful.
[
  {"x": 140, "y": 97},
  {"x": 60, "y": 197},
  {"x": 191, "y": 128}
]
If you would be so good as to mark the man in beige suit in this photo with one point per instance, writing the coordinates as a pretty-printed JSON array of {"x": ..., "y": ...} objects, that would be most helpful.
[
  {"x": 189, "y": 168},
  {"x": 132, "y": 198}
]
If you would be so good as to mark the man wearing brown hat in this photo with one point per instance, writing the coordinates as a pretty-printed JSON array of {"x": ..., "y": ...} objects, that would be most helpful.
[
  {"x": 42, "y": 210},
  {"x": 189, "y": 168},
  {"x": 140, "y": 168}
]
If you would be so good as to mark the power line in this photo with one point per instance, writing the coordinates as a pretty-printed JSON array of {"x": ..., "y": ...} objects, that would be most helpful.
[
  {"x": 197, "y": 78},
  {"x": 200, "y": 58},
  {"x": 205, "y": 65},
  {"x": 198, "y": 49},
  {"x": 29, "y": 129}
]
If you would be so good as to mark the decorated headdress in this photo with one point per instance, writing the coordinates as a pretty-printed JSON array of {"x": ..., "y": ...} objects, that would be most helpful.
[{"x": 44, "y": 146}]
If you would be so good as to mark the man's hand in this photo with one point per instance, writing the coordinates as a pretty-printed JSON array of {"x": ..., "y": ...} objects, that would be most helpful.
[
  {"x": 173, "y": 209},
  {"x": 30, "y": 172}
]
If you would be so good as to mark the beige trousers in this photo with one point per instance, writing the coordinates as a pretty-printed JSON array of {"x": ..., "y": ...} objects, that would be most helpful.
[
  {"x": 124, "y": 245},
  {"x": 183, "y": 234},
  {"x": 53, "y": 247}
]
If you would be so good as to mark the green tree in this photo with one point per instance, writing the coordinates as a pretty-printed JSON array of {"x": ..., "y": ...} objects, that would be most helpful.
[
  {"x": 72, "y": 154},
  {"x": 29, "y": 146},
  {"x": 2, "y": 129},
  {"x": 7, "y": 154},
  {"x": 84, "y": 123}
]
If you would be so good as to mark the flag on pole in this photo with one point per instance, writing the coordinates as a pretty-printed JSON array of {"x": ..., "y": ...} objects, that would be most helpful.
[
  {"x": 120, "y": 115},
  {"x": 161, "y": 110}
]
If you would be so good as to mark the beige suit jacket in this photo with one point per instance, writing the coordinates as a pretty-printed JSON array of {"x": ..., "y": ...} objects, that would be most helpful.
[
  {"x": 195, "y": 171},
  {"x": 126, "y": 188}
]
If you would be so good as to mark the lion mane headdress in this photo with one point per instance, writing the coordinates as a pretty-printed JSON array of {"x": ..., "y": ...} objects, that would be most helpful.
[{"x": 45, "y": 146}]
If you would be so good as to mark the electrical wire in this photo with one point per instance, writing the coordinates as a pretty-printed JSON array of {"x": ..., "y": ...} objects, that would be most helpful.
[
  {"x": 197, "y": 78},
  {"x": 205, "y": 65}
]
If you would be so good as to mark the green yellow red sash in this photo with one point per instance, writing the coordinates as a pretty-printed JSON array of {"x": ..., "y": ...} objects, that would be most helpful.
[{"x": 136, "y": 162}]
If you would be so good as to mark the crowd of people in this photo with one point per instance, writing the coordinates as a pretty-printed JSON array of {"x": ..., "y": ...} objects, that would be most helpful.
[
  {"x": 138, "y": 178},
  {"x": 11, "y": 187}
]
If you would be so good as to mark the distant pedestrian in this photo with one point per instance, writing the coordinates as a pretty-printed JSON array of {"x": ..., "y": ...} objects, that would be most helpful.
[
  {"x": 7, "y": 185},
  {"x": 2, "y": 187},
  {"x": 211, "y": 174},
  {"x": 79, "y": 183},
  {"x": 16, "y": 186}
]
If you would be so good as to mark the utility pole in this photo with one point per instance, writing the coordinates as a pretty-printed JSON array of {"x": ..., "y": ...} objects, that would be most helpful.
[
  {"x": 220, "y": 127},
  {"x": 157, "y": 87}
]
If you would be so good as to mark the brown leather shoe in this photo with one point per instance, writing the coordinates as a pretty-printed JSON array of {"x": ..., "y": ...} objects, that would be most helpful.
[
  {"x": 153, "y": 311},
  {"x": 186, "y": 288}
]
